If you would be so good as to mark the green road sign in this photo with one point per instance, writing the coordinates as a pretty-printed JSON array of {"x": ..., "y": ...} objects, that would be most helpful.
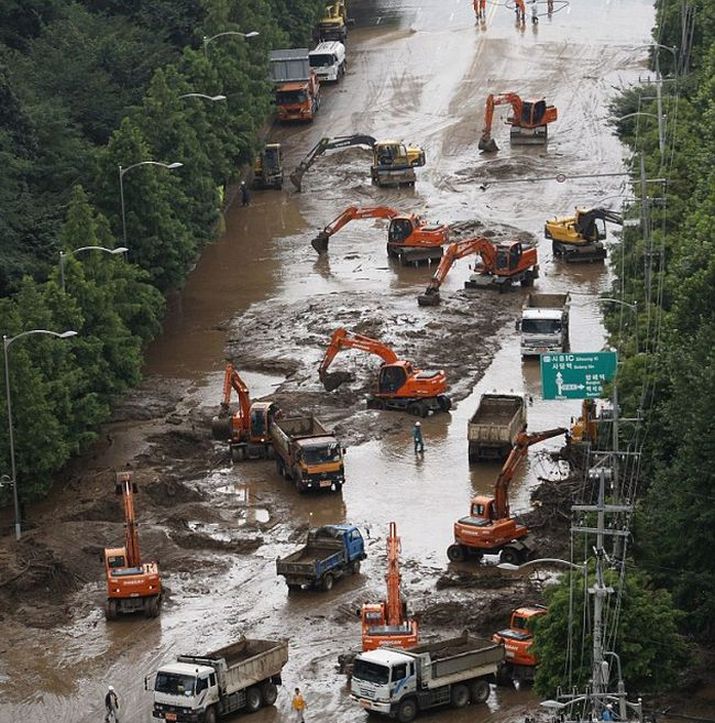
[{"x": 576, "y": 376}]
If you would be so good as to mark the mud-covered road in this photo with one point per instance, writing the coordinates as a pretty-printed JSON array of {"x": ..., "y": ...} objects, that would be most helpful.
[{"x": 419, "y": 70}]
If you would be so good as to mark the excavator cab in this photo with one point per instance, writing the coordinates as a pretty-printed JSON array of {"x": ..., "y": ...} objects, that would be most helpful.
[
  {"x": 508, "y": 257},
  {"x": 392, "y": 377},
  {"x": 533, "y": 112},
  {"x": 482, "y": 509},
  {"x": 401, "y": 228}
]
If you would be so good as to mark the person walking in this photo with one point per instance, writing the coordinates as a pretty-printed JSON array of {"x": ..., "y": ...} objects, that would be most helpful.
[
  {"x": 245, "y": 194},
  {"x": 520, "y": 11},
  {"x": 534, "y": 12},
  {"x": 417, "y": 437},
  {"x": 111, "y": 706},
  {"x": 298, "y": 706}
]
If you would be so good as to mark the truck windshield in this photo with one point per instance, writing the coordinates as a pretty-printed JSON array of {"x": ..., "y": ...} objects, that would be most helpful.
[
  {"x": 290, "y": 97},
  {"x": 321, "y": 455},
  {"x": 322, "y": 61},
  {"x": 541, "y": 326},
  {"x": 174, "y": 684},
  {"x": 370, "y": 672}
]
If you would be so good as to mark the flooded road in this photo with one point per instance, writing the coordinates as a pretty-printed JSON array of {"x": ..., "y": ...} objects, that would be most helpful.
[{"x": 418, "y": 71}]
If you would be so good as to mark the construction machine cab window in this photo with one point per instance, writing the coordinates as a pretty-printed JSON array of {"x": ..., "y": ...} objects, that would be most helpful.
[
  {"x": 288, "y": 97},
  {"x": 391, "y": 379},
  {"x": 532, "y": 113},
  {"x": 322, "y": 61},
  {"x": 399, "y": 230},
  {"x": 486, "y": 512},
  {"x": 371, "y": 672},
  {"x": 321, "y": 455},
  {"x": 541, "y": 326},
  {"x": 258, "y": 422},
  {"x": 114, "y": 561},
  {"x": 399, "y": 672},
  {"x": 174, "y": 684}
]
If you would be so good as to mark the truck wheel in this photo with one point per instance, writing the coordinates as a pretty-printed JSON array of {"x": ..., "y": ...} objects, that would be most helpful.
[
  {"x": 269, "y": 692},
  {"x": 455, "y": 553},
  {"x": 253, "y": 699},
  {"x": 210, "y": 715},
  {"x": 238, "y": 454},
  {"x": 479, "y": 691},
  {"x": 509, "y": 555},
  {"x": 294, "y": 588},
  {"x": 326, "y": 583},
  {"x": 460, "y": 696},
  {"x": 407, "y": 711},
  {"x": 280, "y": 467},
  {"x": 355, "y": 567}
]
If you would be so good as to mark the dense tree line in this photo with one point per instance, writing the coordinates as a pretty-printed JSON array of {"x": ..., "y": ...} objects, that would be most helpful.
[
  {"x": 86, "y": 87},
  {"x": 665, "y": 269}
]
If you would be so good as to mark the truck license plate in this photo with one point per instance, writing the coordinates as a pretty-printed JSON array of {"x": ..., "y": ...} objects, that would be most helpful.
[
  {"x": 326, "y": 483},
  {"x": 365, "y": 703},
  {"x": 171, "y": 716}
]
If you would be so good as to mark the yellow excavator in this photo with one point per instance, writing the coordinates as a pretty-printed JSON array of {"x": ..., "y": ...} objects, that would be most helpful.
[
  {"x": 393, "y": 163},
  {"x": 268, "y": 168},
  {"x": 334, "y": 23},
  {"x": 578, "y": 238}
]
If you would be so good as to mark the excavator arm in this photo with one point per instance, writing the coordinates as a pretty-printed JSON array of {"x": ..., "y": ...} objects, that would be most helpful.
[
  {"x": 455, "y": 251},
  {"x": 585, "y": 222},
  {"x": 351, "y": 213},
  {"x": 394, "y": 607},
  {"x": 327, "y": 144},
  {"x": 124, "y": 486},
  {"x": 517, "y": 454},
  {"x": 342, "y": 339},
  {"x": 232, "y": 381}
]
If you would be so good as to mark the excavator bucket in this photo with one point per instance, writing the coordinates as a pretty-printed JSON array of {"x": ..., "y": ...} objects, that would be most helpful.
[
  {"x": 429, "y": 298},
  {"x": 296, "y": 178},
  {"x": 221, "y": 428},
  {"x": 487, "y": 145},
  {"x": 320, "y": 242},
  {"x": 332, "y": 380}
]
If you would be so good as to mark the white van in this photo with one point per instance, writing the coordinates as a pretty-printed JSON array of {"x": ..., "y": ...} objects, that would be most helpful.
[{"x": 328, "y": 60}]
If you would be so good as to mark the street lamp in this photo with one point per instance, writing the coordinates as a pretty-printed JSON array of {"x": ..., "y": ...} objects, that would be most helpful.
[
  {"x": 207, "y": 40},
  {"x": 6, "y": 345},
  {"x": 661, "y": 126},
  {"x": 122, "y": 171},
  {"x": 633, "y": 307},
  {"x": 213, "y": 98},
  {"x": 63, "y": 255}
]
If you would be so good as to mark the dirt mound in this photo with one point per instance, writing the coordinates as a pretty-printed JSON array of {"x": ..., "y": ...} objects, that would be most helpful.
[
  {"x": 550, "y": 519},
  {"x": 103, "y": 509},
  {"x": 181, "y": 444},
  {"x": 156, "y": 397},
  {"x": 170, "y": 491},
  {"x": 199, "y": 541},
  {"x": 482, "y": 578}
]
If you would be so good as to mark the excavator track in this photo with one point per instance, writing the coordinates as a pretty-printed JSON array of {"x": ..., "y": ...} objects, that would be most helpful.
[{"x": 587, "y": 253}]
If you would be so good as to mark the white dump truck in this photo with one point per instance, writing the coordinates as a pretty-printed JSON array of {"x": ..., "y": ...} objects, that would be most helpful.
[
  {"x": 400, "y": 683},
  {"x": 544, "y": 324},
  {"x": 204, "y": 688},
  {"x": 493, "y": 428}
]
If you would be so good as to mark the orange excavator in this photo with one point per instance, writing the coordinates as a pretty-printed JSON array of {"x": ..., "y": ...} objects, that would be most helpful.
[
  {"x": 247, "y": 430},
  {"x": 489, "y": 528},
  {"x": 518, "y": 639},
  {"x": 501, "y": 265},
  {"x": 529, "y": 121},
  {"x": 132, "y": 585},
  {"x": 410, "y": 239},
  {"x": 399, "y": 385},
  {"x": 386, "y": 624}
]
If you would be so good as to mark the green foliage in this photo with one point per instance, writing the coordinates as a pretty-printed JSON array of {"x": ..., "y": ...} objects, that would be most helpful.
[
  {"x": 647, "y": 641},
  {"x": 671, "y": 381}
]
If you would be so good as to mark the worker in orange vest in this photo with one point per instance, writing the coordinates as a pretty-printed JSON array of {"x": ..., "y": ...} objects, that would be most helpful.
[
  {"x": 520, "y": 11},
  {"x": 298, "y": 706},
  {"x": 480, "y": 9}
]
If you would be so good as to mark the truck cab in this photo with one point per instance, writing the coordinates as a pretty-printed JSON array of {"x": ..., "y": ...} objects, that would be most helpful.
[
  {"x": 328, "y": 61},
  {"x": 518, "y": 640},
  {"x": 542, "y": 331},
  {"x": 182, "y": 691},
  {"x": 382, "y": 677}
]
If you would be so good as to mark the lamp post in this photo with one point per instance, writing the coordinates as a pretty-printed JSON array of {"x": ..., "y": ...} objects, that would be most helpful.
[
  {"x": 122, "y": 171},
  {"x": 6, "y": 345},
  {"x": 633, "y": 307},
  {"x": 661, "y": 126},
  {"x": 207, "y": 39},
  {"x": 212, "y": 98},
  {"x": 64, "y": 254}
]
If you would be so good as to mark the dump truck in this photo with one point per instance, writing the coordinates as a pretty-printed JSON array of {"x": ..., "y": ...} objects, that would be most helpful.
[
  {"x": 297, "y": 85},
  {"x": 492, "y": 429},
  {"x": 330, "y": 552},
  {"x": 307, "y": 453},
  {"x": 201, "y": 688},
  {"x": 400, "y": 683},
  {"x": 544, "y": 324}
]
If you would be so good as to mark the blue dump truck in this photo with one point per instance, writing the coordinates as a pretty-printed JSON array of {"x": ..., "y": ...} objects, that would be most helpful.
[{"x": 331, "y": 552}]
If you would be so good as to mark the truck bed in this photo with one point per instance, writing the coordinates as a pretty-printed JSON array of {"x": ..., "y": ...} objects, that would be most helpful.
[
  {"x": 312, "y": 554},
  {"x": 496, "y": 410},
  {"x": 297, "y": 427},
  {"x": 546, "y": 301}
]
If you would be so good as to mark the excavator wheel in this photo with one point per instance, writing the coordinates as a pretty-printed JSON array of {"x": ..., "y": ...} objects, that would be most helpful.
[
  {"x": 455, "y": 553},
  {"x": 445, "y": 403},
  {"x": 375, "y": 403},
  {"x": 417, "y": 409},
  {"x": 510, "y": 556},
  {"x": 112, "y": 610},
  {"x": 487, "y": 145},
  {"x": 528, "y": 279},
  {"x": 429, "y": 299}
]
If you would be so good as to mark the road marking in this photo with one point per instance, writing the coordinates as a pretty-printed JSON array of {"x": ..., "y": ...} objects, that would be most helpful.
[{"x": 379, "y": 18}]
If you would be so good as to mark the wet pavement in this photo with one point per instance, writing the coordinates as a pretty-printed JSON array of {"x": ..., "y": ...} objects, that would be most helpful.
[{"x": 418, "y": 71}]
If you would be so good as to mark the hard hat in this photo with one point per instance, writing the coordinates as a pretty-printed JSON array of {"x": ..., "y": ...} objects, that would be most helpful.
[
  {"x": 418, "y": 424},
  {"x": 609, "y": 706},
  {"x": 111, "y": 687}
]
